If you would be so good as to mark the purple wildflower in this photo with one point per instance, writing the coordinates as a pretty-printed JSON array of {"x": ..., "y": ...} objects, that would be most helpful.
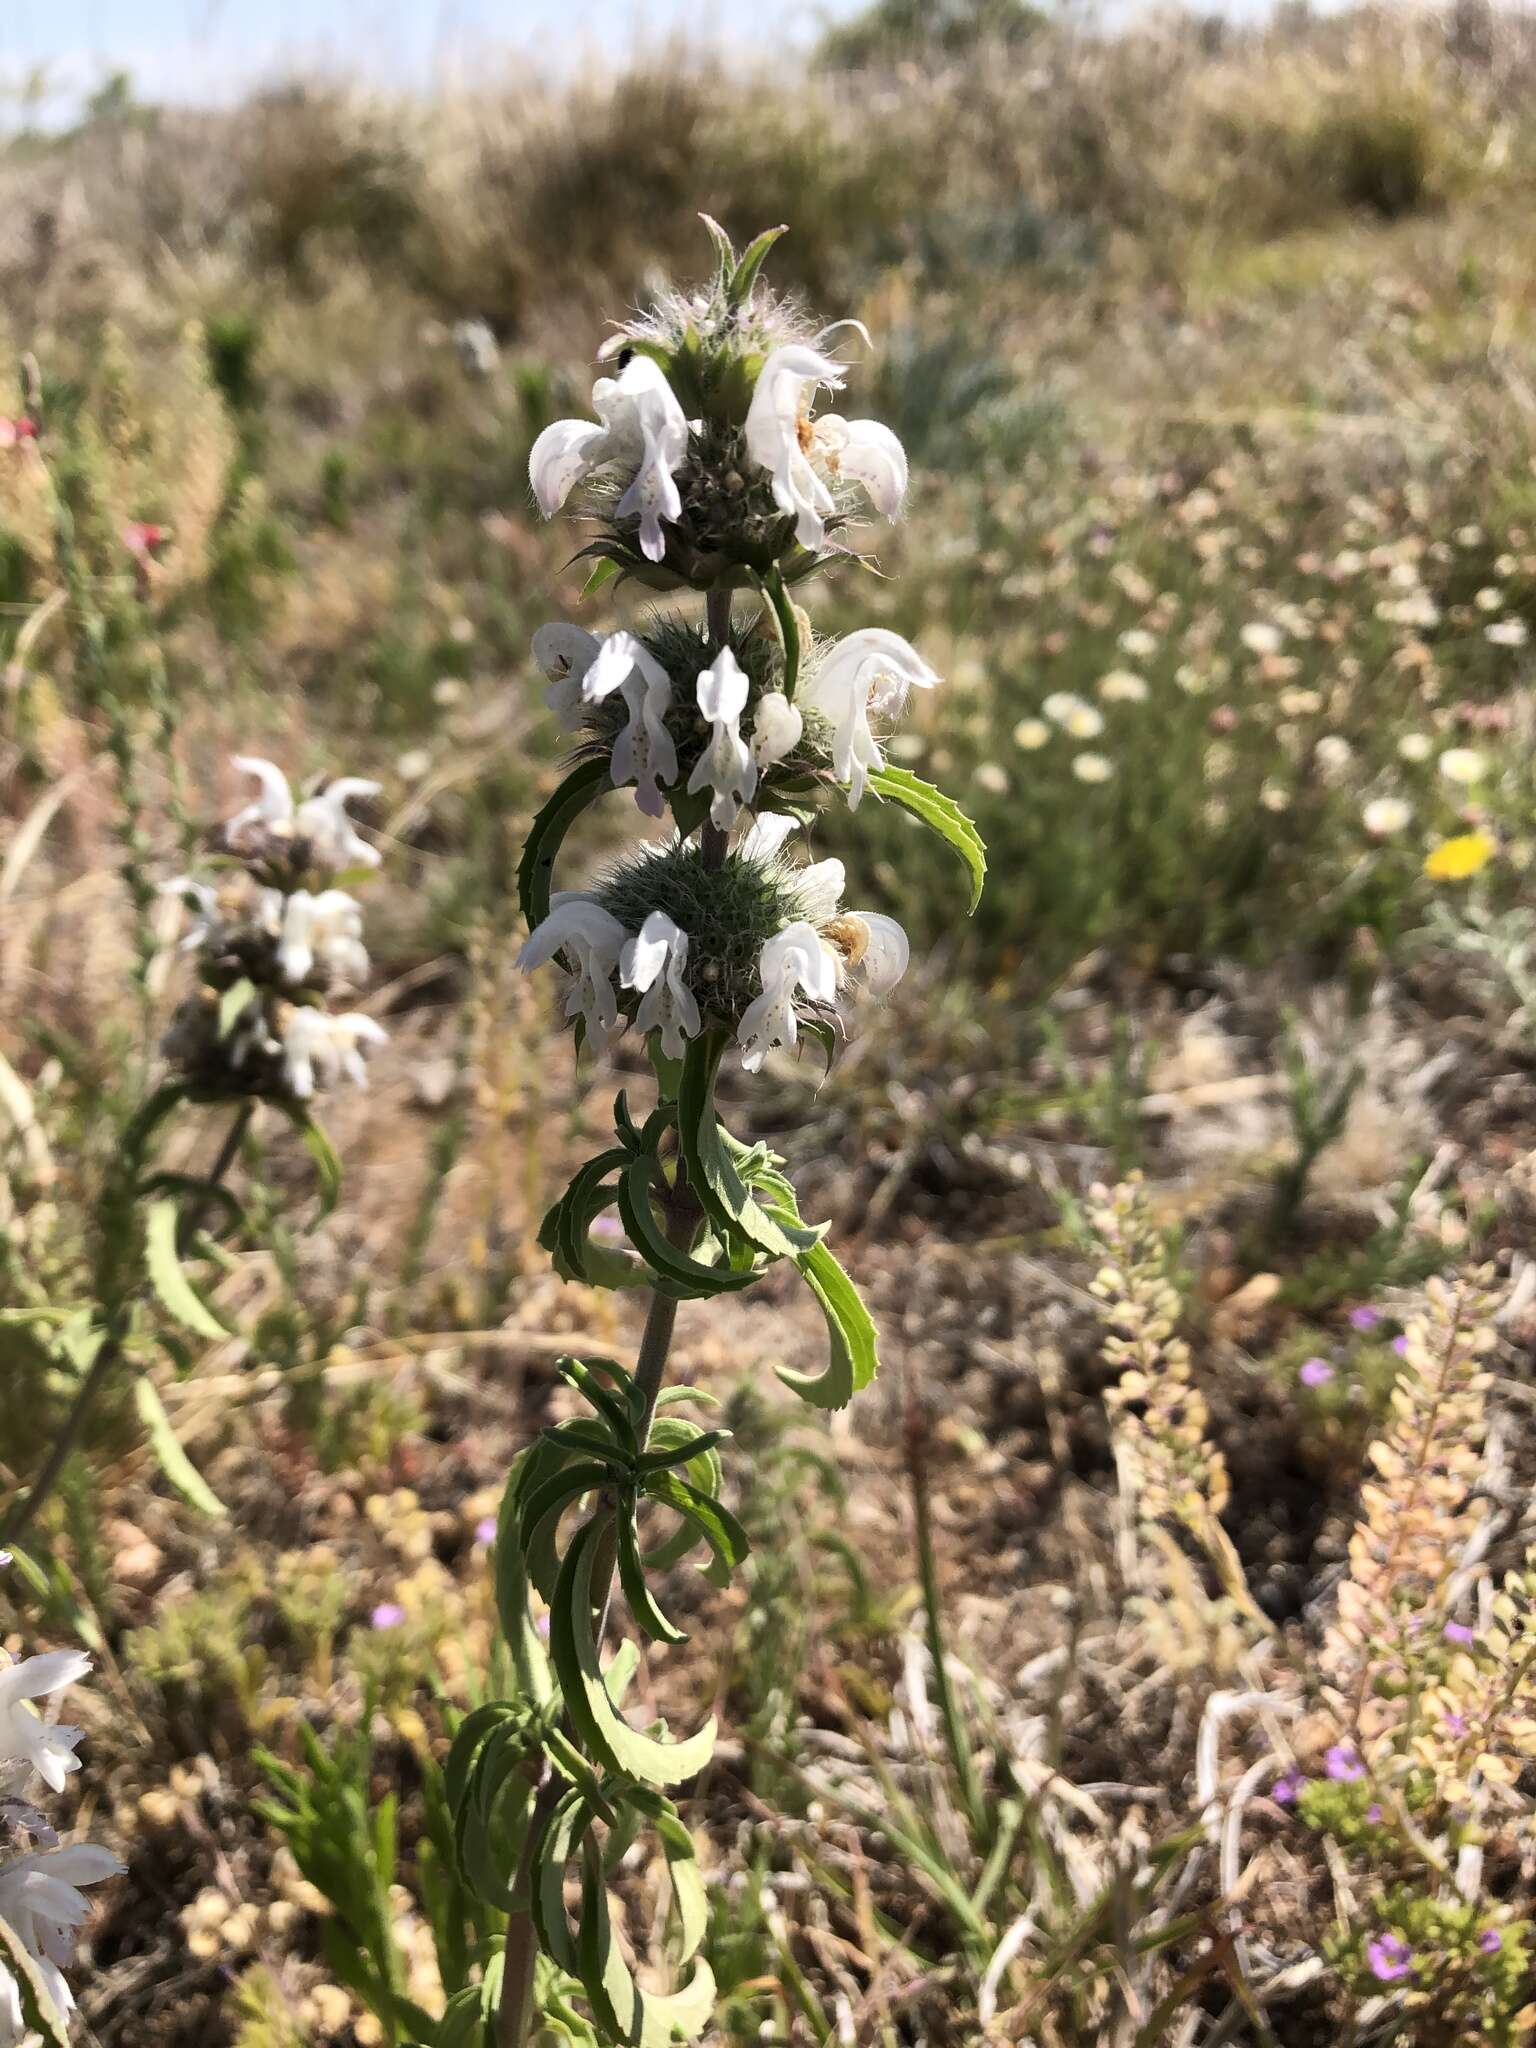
[
  {"x": 1373, "y": 1814},
  {"x": 1344, "y": 1764},
  {"x": 1389, "y": 1956},
  {"x": 1457, "y": 1723},
  {"x": 1400, "y": 1346},
  {"x": 485, "y": 1530},
  {"x": 1458, "y": 1632},
  {"x": 1285, "y": 1788},
  {"x": 1364, "y": 1318},
  {"x": 388, "y": 1614},
  {"x": 1490, "y": 1941},
  {"x": 1317, "y": 1372}
]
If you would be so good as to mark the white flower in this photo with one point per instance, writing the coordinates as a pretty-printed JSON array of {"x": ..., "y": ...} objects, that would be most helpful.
[
  {"x": 320, "y": 821},
  {"x": 1092, "y": 767},
  {"x": 1031, "y": 734},
  {"x": 1260, "y": 637},
  {"x": 776, "y": 728},
  {"x": 1122, "y": 686},
  {"x": 324, "y": 930},
  {"x": 1333, "y": 754},
  {"x": 727, "y": 765},
  {"x": 565, "y": 653},
  {"x": 644, "y": 753},
  {"x": 1139, "y": 643},
  {"x": 1415, "y": 746},
  {"x": 1463, "y": 764},
  {"x": 814, "y": 954},
  {"x": 653, "y": 963},
  {"x": 207, "y": 927},
  {"x": 41, "y": 1902},
  {"x": 801, "y": 454},
  {"x": 793, "y": 960},
  {"x": 1384, "y": 815},
  {"x": 1506, "y": 633},
  {"x": 867, "y": 671},
  {"x": 589, "y": 940},
  {"x": 24, "y": 1737},
  {"x": 640, "y": 427},
  {"x": 320, "y": 1050}
]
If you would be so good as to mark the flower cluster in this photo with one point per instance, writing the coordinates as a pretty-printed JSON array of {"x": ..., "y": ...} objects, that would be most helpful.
[
  {"x": 709, "y": 468},
  {"x": 275, "y": 937},
  {"x": 41, "y": 1902}
]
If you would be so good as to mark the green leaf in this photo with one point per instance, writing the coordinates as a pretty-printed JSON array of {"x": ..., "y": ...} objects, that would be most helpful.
[
  {"x": 604, "y": 1732},
  {"x": 745, "y": 274},
  {"x": 665, "y": 1258},
  {"x": 714, "y": 1175},
  {"x": 642, "y": 1606},
  {"x": 568, "y": 1825},
  {"x": 39, "y": 2014},
  {"x": 172, "y": 1459},
  {"x": 536, "y": 870},
  {"x": 678, "y": 1846},
  {"x": 234, "y": 1003},
  {"x": 941, "y": 814},
  {"x": 789, "y": 628},
  {"x": 634, "y": 2016},
  {"x": 528, "y": 1654},
  {"x": 541, "y": 1515},
  {"x": 725, "y": 248},
  {"x": 603, "y": 573},
  {"x": 177, "y": 1295},
  {"x": 717, "y": 1525},
  {"x": 321, "y": 1150},
  {"x": 850, "y": 1329}
]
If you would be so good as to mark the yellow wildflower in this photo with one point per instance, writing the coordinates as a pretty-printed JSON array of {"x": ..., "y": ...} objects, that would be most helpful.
[{"x": 1453, "y": 860}]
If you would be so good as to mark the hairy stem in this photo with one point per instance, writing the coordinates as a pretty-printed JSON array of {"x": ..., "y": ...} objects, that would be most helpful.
[{"x": 25, "y": 1513}]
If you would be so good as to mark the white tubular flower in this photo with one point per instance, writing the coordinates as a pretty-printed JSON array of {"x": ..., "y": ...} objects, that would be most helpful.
[
  {"x": 644, "y": 753},
  {"x": 776, "y": 729},
  {"x": 333, "y": 839},
  {"x": 24, "y": 1737},
  {"x": 640, "y": 426},
  {"x": 872, "y": 670},
  {"x": 41, "y": 1901},
  {"x": 793, "y": 960},
  {"x": 589, "y": 940},
  {"x": 802, "y": 454},
  {"x": 726, "y": 765},
  {"x": 653, "y": 963},
  {"x": 565, "y": 653},
  {"x": 321, "y": 820},
  {"x": 324, "y": 930},
  {"x": 321, "y": 1050},
  {"x": 207, "y": 927}
]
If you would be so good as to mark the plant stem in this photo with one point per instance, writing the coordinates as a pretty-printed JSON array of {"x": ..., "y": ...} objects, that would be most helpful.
[
  {"x": 522, "y": 1940},
  {"x": 103, "y": 1364},
  {"x": 959, "y": 1747}
]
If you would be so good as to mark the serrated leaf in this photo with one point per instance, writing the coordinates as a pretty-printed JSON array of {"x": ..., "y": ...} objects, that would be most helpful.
[
  {"x": 604, "y": 1732},
  {"x": 170, "y": 1456},
  {"x": 940, "y": 813},
  {"x": 535, "y": 871},
  {"x": 176, "y": 1293}
]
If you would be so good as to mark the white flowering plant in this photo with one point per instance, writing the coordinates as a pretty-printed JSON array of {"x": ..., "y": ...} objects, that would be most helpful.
[{"x": 709, "y": 470}]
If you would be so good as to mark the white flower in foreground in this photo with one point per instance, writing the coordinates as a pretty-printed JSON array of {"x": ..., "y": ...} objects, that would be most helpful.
[
  {"x": 1464, "y": 765},
  {"x": 41, "y": 1901},
  {"x": 565, "y": 653},
  {"x": 324, "y": 930},
  {"x": 804, "y": 456},
  {"x": 644, "y": 753},
  {"x": 640, "y": 427},
  {"x": 872, "y": 670},
  {"x": 321, "y": 822},
  {"x": 653, "y": 963},
  {"x": 588, "y": 941},
  {"x": 813, "y": 955},
  {"x": 25, "y": 1738},
  {"x": 727, "y": 765},
  {"x": 776, "y": 729},
  {"x": 1385, "y": 815},
  {"x": 321, "y": 1050}
]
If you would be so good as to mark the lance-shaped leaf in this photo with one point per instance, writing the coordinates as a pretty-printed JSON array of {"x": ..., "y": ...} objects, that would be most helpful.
[
  {"x": 675, "y": 1266},
  {"x": 562, "y": 1838},
  {"x": 642, "y": 1605},
  {"x": 678, "y": 1846},
  {"x": 177, "y": 1295},
  {"x": 528, "y": 1654},
  {"x": 318, "y": 1145},
  {"x": 714, "y": 1171},
  {"x": 621, "y": 1403},
  {"x": 603, "y": 1730},
  {"x": 170, "y": 1454},
  {"x": 641, "y": 2019},
  {"x": 941, "y": 814},
  {"x": 717, "y": 1525},
  {"x": 670, "y": 1432},
  {"x": 535, "y": 872},
  {"x": 854, "y": 1356},
  {"x": 542, "y": 1508}
]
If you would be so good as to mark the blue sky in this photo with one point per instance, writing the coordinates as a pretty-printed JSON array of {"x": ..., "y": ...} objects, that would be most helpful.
[{"x": 210, "y": 48}]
